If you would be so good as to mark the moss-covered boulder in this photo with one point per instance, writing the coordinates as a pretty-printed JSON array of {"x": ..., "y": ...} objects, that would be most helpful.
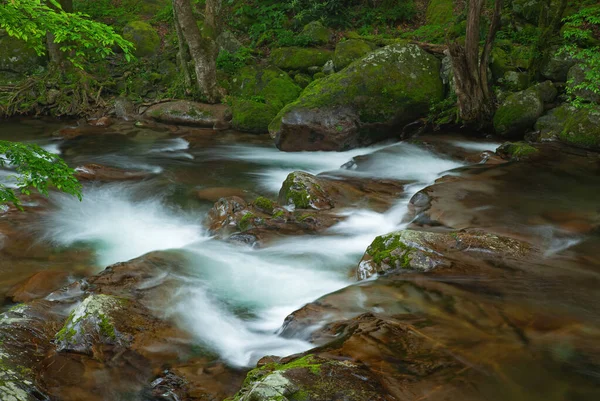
[
  {"x": 252, "y": 116},
  {"x": 349, "y": 50},
  {"x": 302, "y": 80},
  {"x": 268, "y": 83},
  {"x": 440, "y": 12},
  {"x": 581, "y": 127},
  {"x": 425, "y": 250},
  {"x": 89, "y": 324},
  {"x": 183, "y": 112},
  {"x": 317, "y": 33},
  {"x": 17, "y": 57},
  {"x": 143, "y": 36},
  {"x": 508, "y": 57},
  {"x": 366, "y": 102},
  {"x": 299, "y": 58},
  {"x": 258, "y": 94},
  {"x": 556, "y": 67},
  {"x": 516, "y": 81},
  {"x": 311, "y": 378},
  {"x": 305, "y": 191},
  {"x": 518, "y": 113},
  {"x": 575, "y": 78}
]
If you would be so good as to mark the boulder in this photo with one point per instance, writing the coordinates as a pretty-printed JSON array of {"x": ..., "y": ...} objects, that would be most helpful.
[
  {"x": 258, "y": 94},
  {"x": 90, "y": 323},
  {"x": 299, "y": 58},
  {"x": 302, "y": 80},
  {"x": 516, "y": 81},
  {"x": 305, "y": 191},
  {"x": 426, "y": 250},
  {"x": 366, "y": 102},
  {"x": 143, "y": 36},
  {"x": 575, "y": 78},
  {"x": 317, "y": 33},
  {"x": 518, "y": 113},
  {"x": 228, "y": 42},
  {"x": 582, "y": 127},
  {"x": 311, "y": 378},
  {"x": 350, "y": 50},
  {"x": 17, "y": 56},
  {"x": 184, "y": 112},
  {"x": 557, "y": 66}
]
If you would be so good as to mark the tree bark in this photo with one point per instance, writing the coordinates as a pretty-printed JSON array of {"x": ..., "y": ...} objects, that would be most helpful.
[
  {"x": 57, "y": 59},
  {"x": 475, "y": 100},
  {"x": 182, "y": 53},
  {"x": 203, "y": 47}
]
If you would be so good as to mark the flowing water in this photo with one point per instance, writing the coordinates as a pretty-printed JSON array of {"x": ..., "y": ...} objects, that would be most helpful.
[{"x": 231, "y": 299}]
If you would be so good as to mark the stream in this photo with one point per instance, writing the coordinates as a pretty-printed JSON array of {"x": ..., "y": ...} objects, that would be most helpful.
[{"x": 233, "y": 299}]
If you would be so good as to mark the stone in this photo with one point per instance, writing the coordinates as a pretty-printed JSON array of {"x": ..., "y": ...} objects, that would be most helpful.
[
  {"x": 38, "y": 285},
  {"x": 184, "y": 112},
  {"x": 516, "y": 150},
  {"x": 576, "y": 77},
  {"x": 228, "y": 42},
  {"x": 516, "y": 81},
  {"x": 252, "y": 116},
  {"x": 317, "y": 33},
  {"x": 143, "y": 36},
  {"x": 124, "y": 108},
  {"x": 350, "y": 50},
  {"x": 299, "y": 58},
  {"x": 304, "y": 191},
  {"x": 98, "y": 172},
  {"x": 518, "y": 114},
  {"x": 17, "y": 56},
  {"x": 556, "y": 68},
  {"x": 366, "y": 102}
]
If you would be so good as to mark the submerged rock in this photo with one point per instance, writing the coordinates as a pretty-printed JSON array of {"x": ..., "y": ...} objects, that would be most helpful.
[
  {"x": 184, "y": 112},
  {"x": 97, "y": 172},
  {"x": 366, "y": 102}
]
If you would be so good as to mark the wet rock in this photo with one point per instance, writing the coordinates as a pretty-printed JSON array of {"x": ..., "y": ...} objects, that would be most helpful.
[
  {"x": 311, "y": 378},
  {"x": 425, "y": 250},
  {"x": 97, "y": 172},
  {"x": 226, "y": 212},
  {"x": 38, "y": 285},
  {"x": 89, "y": 324},
  {"x": 101, "y": 122},
  {"x": 185, "y": 112},
  {"x": 328, "y": 116},
  {"x": 144, "y": 38},
  {"x": 350, "y": 50},
  {"x": 305, "y": 191},
  {"x": 299, "y": 58},
  {"x": 516, "y": 150}
]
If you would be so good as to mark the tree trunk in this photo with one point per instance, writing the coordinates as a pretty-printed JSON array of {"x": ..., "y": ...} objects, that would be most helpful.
[
  {"x": 182, "y": 53},
  {"x": 57, "y": 59},
  {"x": 475, "y": 100},
  {"x": 203, "y": 47}
]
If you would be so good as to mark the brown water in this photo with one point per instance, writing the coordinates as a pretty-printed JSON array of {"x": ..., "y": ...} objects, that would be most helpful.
[{"x": 527, "y": 330}]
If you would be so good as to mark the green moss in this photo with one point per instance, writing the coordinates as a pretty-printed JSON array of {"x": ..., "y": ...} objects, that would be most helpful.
[
  {"x": 106, "y": 328},
  {"x": 268, "y": 83},
  {"x": 350, "y": 50},
  {"x": 278, "y": 214},
  {"x": 296, "y": 193},
  {"x": 143, "y": 36},
  {"x": 298, "y": 58},
  {"x": 67, "y": 332},
  {"x": 383, "y": 247},
  {"x": 317, "y": 33},
  {"x": 517, "y": 150},
  {"x": 439, "y": 12},
  {"x": 582, "y": 128},
  {"x": 246, "y": 221},
  {"x": 264, "y": 204},
  {"x": 252, "y": 116},
  {"x": 306, "y": 362},
  {"x": 518, "y": 113},
  {"x": 394, "y": 82}
]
